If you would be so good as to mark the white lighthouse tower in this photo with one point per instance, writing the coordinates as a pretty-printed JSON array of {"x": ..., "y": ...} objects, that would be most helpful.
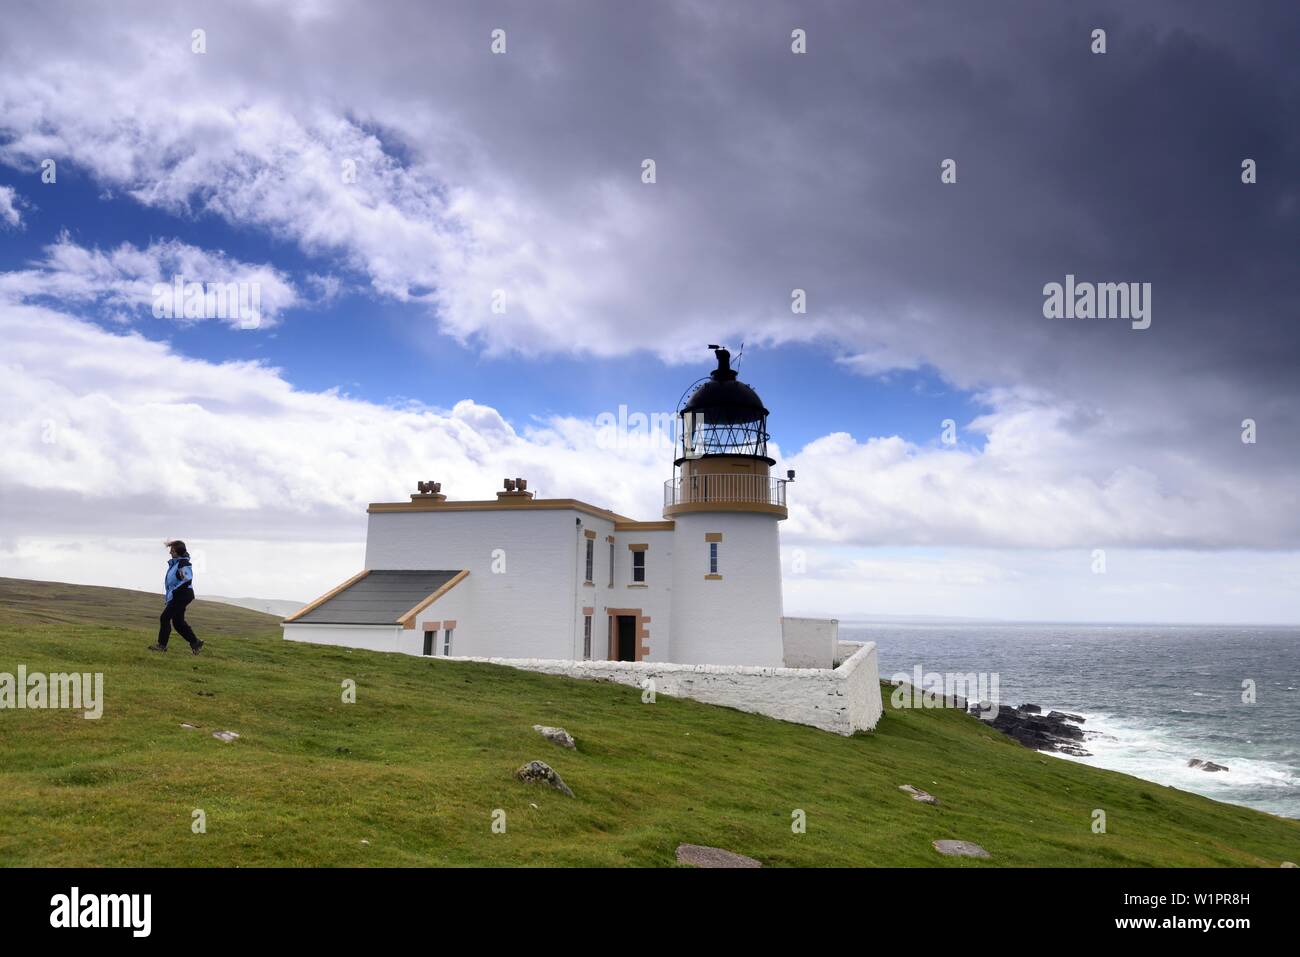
[{"x": 726, "y": 506}]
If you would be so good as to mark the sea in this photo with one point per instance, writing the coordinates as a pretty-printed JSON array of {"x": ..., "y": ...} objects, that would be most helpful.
[{"x": 1154, "y": 696}]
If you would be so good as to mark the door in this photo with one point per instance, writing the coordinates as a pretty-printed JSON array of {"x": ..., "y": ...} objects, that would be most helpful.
[
  {"x": 626, "y": 638},
  {"x": 428, "y": 643}
]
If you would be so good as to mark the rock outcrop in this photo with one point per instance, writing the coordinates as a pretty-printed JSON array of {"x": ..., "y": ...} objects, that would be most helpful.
[
  {"x": 698, "y": 855},
  {"x": 959, "y": 849},
  {"x": 1056, "y": 731},
  {"x": 539, "y": 772},
  {"x": 1206, "y": 765},
  {"x": 925, "y": 797}
]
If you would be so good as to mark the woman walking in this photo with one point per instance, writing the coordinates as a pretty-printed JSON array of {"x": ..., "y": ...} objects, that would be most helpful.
[{"x": 179, "y": 582}]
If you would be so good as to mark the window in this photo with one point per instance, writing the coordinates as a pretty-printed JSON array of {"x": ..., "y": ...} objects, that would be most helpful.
[
  {"x": 446, "y": 641},
  {"x": 611, "y": 564},
  {"x": 638, "y": 566},
  {"x": 428, "y": 643},
  {"x": 586, "y": 637},
  {"x": 591, "y": 559},
  {"x": 713, "y": 558}
]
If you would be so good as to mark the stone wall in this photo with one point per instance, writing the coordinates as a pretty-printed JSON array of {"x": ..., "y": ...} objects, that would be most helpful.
[{"x": 842, "y": 700}]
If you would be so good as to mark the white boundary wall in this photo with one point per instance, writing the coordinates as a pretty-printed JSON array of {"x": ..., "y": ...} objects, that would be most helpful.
[
  {"x": 811, "y": 642},
  {"x": 843, "y": 700},
  {"x": 365, "y": 637}
]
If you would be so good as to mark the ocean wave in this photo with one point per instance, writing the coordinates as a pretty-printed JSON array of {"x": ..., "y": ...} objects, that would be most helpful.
[{"x": 1122, "y": 744}]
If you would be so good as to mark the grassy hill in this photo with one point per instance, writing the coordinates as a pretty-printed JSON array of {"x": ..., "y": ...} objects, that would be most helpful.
[{"x": 411, "y": 773}]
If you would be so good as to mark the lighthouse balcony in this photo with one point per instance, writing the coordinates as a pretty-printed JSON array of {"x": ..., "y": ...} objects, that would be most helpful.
[{"x": 724, "y": 493}]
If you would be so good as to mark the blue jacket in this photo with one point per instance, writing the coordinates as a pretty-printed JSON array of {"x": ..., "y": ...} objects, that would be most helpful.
[{"x": 179, "y": 572}]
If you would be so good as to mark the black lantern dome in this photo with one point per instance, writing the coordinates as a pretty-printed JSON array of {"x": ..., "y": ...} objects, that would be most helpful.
[{"x": 723, "y": 416}]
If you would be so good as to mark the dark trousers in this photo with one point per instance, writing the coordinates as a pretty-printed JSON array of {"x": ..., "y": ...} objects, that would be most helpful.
[{"x": 174, "y": 614}]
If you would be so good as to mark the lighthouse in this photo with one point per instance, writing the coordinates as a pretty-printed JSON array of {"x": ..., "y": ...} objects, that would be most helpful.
[
  {"x": 558, "y": 579},
  {"x": 726, "y": 507},
  {"x": 688, "y": 603}
]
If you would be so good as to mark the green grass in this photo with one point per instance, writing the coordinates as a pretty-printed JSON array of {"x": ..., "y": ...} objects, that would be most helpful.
[{"x": 418, "y": 764}]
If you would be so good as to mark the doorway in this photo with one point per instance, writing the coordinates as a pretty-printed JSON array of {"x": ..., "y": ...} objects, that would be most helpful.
[{"x": 625, "y": 637}]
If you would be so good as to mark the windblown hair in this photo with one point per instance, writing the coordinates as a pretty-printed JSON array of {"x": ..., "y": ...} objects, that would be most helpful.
[{"x": 179, "y": 546}]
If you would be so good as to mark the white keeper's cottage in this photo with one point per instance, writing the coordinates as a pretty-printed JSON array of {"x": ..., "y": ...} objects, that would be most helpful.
[
  {"x": 524, "y": 577},
  {"x": 565, "y": 586}
]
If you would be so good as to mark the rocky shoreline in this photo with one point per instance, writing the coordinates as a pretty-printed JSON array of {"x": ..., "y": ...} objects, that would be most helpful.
[
  {"x": 1057, "y": 731},
  {"x": 1061, "y": 732}
]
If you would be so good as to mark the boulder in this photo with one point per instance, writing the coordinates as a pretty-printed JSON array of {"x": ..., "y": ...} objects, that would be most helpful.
[
  {"x": 924, "y": 797},
  {"x": 226, "y": 736},
  {"x": 539, "y": 772},
  {"x": 1065, "y": 716},
  {"x": 556, "y": 736},
  {"x": 1072, "y": 750},
  {"x": 1030, "y": 709},
  {"x": 959, "y": 849},
  {"x": 697, "y": 855}
]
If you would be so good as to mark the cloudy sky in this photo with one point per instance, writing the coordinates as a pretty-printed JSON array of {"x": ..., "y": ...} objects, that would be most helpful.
[{"x": 385, "y": 178}]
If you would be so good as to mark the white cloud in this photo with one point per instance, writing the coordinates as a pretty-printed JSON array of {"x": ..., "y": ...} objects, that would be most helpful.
[
  {"x": 9, "y": 203},
  {"x": 435, "y": 215},
  {"x": 115, "y": 442},
  {"x": 1043, "y": 473},
  {"x": 128, "y": 280},
  {"x": 104, "y": 431}
]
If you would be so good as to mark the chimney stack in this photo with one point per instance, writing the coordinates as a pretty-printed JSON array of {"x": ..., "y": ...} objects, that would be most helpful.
[
  {"x": 515, "y": 488},
  {"x": 429, "y": 491}
]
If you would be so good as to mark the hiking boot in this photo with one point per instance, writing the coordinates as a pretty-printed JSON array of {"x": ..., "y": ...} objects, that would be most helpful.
[
  {"x": 162, "y": 648},
  {"x": 197, "y": 647}
]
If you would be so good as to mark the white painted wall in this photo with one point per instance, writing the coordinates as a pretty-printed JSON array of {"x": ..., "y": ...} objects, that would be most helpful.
[
  {"x": 654, "y": 598},
  {"x": 810, "y": 642},
  {"x": 529, "y": 609},
  {"x": 534, "y": 609},
  {"x": 456, "y": 605},
  {"x": 735, "y": 621},
  {"x": 860, "y": 679},
  {"x": 367, "y": 637},
  {"x": 843, "y": 700}
]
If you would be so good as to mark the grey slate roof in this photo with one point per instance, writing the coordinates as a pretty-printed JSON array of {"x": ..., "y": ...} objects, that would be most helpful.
[{"x": 378, "y": 599}]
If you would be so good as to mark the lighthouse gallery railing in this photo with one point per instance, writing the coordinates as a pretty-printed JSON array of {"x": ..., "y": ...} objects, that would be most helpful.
[{"x": 758, "y": 489}]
